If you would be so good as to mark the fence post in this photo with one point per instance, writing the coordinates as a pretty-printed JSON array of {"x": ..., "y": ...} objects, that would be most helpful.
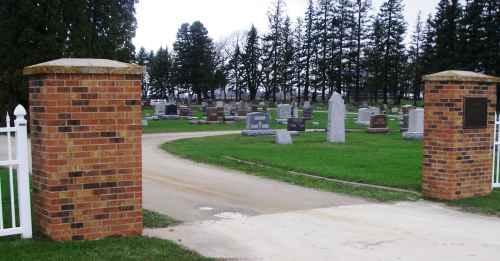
[{"x": 23, "y": 181}]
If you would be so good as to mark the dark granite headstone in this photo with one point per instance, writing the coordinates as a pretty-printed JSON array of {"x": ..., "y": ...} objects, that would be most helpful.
[
  {"x": 185, "y": 111},
  {"x": 212, "y": 114},
  {"x": 171, "y": 109},
  {"x": 378, "y": 124},
  {"x": 220, "y": 113},
  {"x": 296, "y": 124}
]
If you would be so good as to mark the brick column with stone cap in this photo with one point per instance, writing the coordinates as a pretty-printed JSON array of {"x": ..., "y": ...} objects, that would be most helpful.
[
  {"x": 458, "y": 128},
  {"x": 85, "y": 117}
]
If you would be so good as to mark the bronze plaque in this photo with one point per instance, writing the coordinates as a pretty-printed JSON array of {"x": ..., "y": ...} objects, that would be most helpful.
[{"x": 475, "y": 113}]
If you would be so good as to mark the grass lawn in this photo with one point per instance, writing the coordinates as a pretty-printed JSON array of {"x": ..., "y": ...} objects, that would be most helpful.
[
  {"x": 124, "y": 249},
  {"x": 153, "y": 219},
  {"x": 311, "y": 154},
  {"x": 488, "y": 205},
  {"x": 374, "y": 159},
  {"x": 167, "y": 126}
]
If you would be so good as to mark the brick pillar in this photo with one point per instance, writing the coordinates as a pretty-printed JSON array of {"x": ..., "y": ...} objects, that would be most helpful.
[
  {"x": 85, "y": 117},
  {"x": 458, "y": 134}
]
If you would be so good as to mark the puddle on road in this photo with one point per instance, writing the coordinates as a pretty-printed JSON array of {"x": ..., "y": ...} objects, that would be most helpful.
[
  {"x": 206, "y": 208},
  {"x": 230, "y": 215}
]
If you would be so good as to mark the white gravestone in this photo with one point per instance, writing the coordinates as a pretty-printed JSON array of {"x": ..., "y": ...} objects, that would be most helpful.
[
  {"x": 416, "y": 124},
  {"x": 336, "y": 119},
  {"x": 160, "y": 109},
  {"x": 283, "y": 137},
  {"x": 295, "y": 113},
  {"x": 284, "y": 113},
  {"x": 364, "y": 115}
]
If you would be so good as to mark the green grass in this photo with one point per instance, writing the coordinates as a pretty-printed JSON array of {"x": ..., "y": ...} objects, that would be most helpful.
[
  {"x": 386, "y": 160},
  {"x": 123, "y": 249},
  {"x": 153, "y": 219},
  {"x": 132, "y": 248},
  {"x": 487, "y": 205},
  {"x": 353, "y": 161}
]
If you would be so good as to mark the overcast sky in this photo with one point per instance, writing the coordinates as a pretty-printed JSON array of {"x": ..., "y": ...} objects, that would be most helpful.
[{"x": 159, "y": 20}]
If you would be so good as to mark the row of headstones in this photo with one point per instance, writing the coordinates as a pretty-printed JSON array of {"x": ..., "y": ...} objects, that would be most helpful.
[
  {"x": 170, "y": 111},
  {"x": 411, "y": 121},
  {"x": 258, "y": 123}
]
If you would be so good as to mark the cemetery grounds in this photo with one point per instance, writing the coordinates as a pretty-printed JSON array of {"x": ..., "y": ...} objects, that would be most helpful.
[{"x": 385, "y": 160}]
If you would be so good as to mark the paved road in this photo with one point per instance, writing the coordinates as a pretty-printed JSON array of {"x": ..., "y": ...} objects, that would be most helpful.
[
  {"x": 191, "y": 191},
  {"x": 234, "y": 215}
]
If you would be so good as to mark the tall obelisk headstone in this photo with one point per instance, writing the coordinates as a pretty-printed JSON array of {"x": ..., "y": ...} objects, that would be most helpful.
[{"x": 336, "y": 119}]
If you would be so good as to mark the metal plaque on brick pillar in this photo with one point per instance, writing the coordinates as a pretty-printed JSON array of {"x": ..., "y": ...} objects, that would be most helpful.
[
  {"x": 459, "y": 121},
  {"x": 475, "y": 113}
]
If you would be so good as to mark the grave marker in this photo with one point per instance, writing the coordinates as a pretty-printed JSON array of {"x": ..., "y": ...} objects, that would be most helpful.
[{"x": 336, "y": 119}]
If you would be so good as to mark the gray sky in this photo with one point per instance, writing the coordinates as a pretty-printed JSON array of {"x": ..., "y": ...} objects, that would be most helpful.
[{"x": 159, "y": 20}]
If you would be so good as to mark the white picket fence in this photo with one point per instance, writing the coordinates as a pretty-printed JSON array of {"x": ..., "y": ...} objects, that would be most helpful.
[
  {"x": 20, "y": 221},
  {"x": 496, "y": 153}
]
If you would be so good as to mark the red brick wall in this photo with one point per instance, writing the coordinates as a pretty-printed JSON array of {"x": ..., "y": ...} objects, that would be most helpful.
[
  {"x": 457, "y": 162},
  {"x": 86, "y": 154}
]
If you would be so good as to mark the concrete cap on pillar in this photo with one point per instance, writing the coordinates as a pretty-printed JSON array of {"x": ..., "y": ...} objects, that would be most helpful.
[
  {"x": 463, "y": 76},
  {"x": 83, "y": 66}
]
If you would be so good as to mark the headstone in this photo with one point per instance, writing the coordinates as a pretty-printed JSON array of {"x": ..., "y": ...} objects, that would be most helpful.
[
  {"x": 171, "y": 109},
  {"x": 212, "y": 114},
  {"x": 220, "y": 113},
  {"x": 378, "y": 124},
  {"x": 160, "y": 109},
  {"x": 262, "y": 106},
  {"x": 228, "y": 110},
  {"x": 204, "y": 107},
  {"x": 405, "y": 117},
  {"x": 283, "y": 137},
  {"x": 336, "y": 119},
  {"x": 416, "y": 125},
  {"x": 364, "y": 115},
  {"x": 308, "y": 111},
  {"x": 296, "y": 124},
  {"x": 283, "y": 113},
  {"x": 295, "y": 111},
  {"x": 219, "y": 104},
  {"x": 242, "y": 109},
  {"x": 257, "y": 123},
  {"x": 185, "y": 111},
  {"x": 144, "y": 123}
]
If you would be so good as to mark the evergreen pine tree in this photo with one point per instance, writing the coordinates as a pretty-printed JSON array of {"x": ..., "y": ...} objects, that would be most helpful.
[
  {"x": 447, "y": 46},
  {"x": 360, "y": 31},
  {"x": 415, "y": 57},
  {"x": 393, "y": 28},
  {"x": 251, "y": 62}
]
